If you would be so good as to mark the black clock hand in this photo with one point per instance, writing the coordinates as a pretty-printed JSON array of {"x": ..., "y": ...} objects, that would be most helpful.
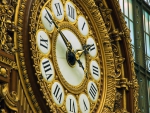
[
  {"x": 85, "y": 50},
  {"x": 48, "y": 19},
  {"x": 67, "y": 43},
  {"x": 81, "y": 65}
]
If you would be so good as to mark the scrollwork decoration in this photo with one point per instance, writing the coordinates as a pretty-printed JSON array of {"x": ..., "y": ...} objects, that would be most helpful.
[{"x": 7, "y": 27}]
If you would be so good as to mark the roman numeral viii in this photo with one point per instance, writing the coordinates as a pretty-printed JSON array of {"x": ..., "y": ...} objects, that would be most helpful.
[{"x": 47, "y": 69}]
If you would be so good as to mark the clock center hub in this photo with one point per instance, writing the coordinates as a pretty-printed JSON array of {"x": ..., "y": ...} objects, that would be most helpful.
[{"x": 71, "y": 59}]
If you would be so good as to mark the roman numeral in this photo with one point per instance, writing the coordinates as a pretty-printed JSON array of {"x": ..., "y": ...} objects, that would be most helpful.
[
  {"x": 92, "y": 47},
  {"x": 93, "y": 91},
  {"x": 43, "y": 42},
  {"x": 83, "y": 26},
  {"x": 85, "y": 106},
  {"x": 49, "y": 21},
  {"x": 47, "y": 68},
  {"x": 71, "y": 12},
  {"x": 57, "y": 93},
  {"x": 72, "y": 106},
  {"x": 57, "y": 5},
  {"x": 95, "y": 70}
]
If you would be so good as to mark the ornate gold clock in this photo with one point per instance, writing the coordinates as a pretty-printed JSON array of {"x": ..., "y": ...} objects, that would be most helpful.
[{"x": 69, "y": 56}]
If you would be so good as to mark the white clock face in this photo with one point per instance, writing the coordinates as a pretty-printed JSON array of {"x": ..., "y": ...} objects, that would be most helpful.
[{"x": 75, "y": 74}]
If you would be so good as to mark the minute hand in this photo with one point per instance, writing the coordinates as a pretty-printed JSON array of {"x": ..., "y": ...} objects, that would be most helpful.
[{"x": 67, "y": 43}]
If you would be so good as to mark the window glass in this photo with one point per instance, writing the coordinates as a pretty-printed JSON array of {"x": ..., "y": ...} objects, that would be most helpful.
[
  {"x": 121, "y": 4},
  {"x": 130, "y": 10},
  {"x": 146, "y": 25},
  {"x": 148, "y": 45},
  {"x": 146, "y": 22},
  {"x": 147, "y": 1},
  {"x": 132, "y": 32},
  {"x": 127, "y": 23},
  {"x": 148, "y": 88},
  {"x": 126, "y": 7}
]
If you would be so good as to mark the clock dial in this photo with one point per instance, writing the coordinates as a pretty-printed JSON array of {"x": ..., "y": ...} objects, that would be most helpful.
[
  {"x": 47, "y": 22},
  {"x": 68, "y": 58},
  {"x": 73, "y": 74}
]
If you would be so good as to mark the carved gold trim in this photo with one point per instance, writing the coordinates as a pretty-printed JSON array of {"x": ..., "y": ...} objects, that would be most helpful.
[
  {"x": 126, "y": 35},
  {"x": 19, "y": 15},
  {"x": 9, "y": 62},
  {"x": 107, "y": 101},
  {"x": 9, "y": 99}
]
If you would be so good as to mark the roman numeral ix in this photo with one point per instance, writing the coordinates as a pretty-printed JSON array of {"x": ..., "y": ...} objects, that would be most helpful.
[{"x": 43, "y": 42}]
